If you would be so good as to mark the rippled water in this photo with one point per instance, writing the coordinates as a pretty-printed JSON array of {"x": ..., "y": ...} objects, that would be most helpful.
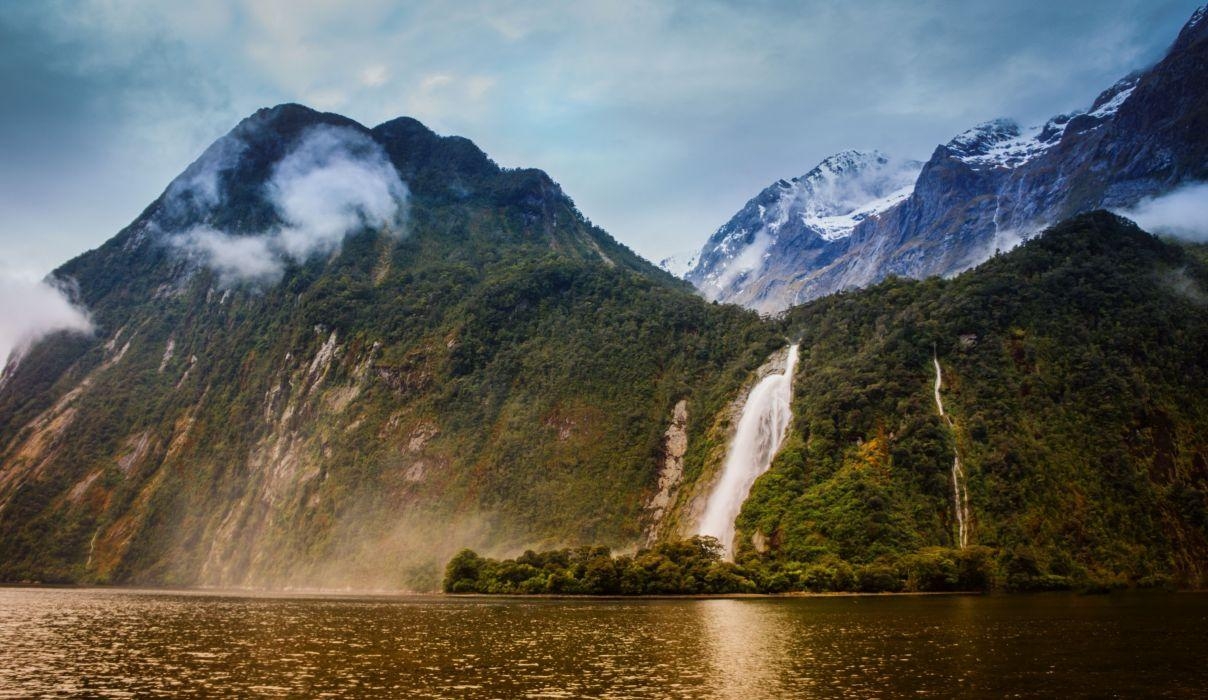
[{"x": 140, "y": 643}]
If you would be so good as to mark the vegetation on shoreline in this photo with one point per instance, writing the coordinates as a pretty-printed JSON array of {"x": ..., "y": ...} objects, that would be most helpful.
[{"x": 694, "y": 566}]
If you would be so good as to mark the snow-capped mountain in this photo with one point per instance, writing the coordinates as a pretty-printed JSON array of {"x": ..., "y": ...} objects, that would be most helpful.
[
  {"x": 678, "y": 264},
  {"x": 807, "y": 213},
  {"x": 858, "y": 217}
]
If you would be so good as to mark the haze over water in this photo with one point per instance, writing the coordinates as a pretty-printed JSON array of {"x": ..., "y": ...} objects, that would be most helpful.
[{"x": 116, "y": 643}]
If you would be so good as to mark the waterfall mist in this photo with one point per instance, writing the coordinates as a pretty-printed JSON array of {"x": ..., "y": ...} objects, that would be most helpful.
[{"x": 761, "y": 429}]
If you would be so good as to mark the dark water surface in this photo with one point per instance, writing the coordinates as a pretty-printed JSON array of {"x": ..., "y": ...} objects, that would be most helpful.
[{"x": 56, "y": 642}]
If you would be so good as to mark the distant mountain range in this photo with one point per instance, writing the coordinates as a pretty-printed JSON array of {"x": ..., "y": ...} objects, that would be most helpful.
[{"x": 859, "y": 217}]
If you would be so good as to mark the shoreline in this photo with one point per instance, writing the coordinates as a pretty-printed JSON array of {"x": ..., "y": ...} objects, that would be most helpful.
[{"x": 227, "y": 592}]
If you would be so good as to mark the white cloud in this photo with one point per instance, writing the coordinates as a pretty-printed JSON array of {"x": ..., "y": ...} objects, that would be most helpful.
[
  {"x": 197, "y": 189},
  {"x": 1182, "y": 213},
  {"x": 375, "y": 75},
  {"x": 234, "y": 258},
  {"x": 33, "y": 309},
  {"x": 334, "y": 182},
  {"x": 750, "y": 259}
]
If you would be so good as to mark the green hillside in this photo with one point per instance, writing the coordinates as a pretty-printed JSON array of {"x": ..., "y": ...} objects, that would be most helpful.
[
  {"x": 1074, "y": 370},
  {"x": 1073, "y": 374}
]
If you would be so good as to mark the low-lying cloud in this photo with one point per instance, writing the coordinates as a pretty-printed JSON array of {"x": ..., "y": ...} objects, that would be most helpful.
[
  {"x": 1182, "y": 213},
  {"x": 33, "y": 309},
  {"x": 235, "y": 258},
  {"x": 199, "y": 188},
  {"x": 334, "y": 182}
]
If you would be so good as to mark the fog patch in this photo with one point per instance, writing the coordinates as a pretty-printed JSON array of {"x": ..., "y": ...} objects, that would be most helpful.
[
  {"x": 198, "y": 189},
  {"x": 869, "y": 187},
  {"x": 1182, "y": 213},
  {"x": 32, "y": 308},
  {"x": 409, "y": 552},
  {"x": 1184, "y": 285},
  {"x": 235, "y": 258},
  {"x": 750, "y": 259},
  {"x": 1009, "y": 239},
  {"x": 335, "y": 182}
]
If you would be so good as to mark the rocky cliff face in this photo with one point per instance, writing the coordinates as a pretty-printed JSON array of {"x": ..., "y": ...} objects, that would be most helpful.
[{"x": 984, "y": 191}]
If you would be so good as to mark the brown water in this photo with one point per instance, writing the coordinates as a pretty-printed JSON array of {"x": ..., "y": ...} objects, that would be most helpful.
[{"x": 56, "y": 642}]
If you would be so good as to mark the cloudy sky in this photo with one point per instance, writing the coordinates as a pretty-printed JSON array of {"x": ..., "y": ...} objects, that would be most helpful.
[{"x": 659, "y": 119}]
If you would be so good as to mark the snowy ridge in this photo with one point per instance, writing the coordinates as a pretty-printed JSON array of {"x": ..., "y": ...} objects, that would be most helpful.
[
  {"x": 849, "y": 187},
  {"x": 1109, "y": 101},
  {"x": 823, "y": 205},
  {"x": 832, "y": 228},
  {"x": 1196, "y": 18},
  {"x": 1002, "y": 143},
  {"x": 857, "y": 217}
]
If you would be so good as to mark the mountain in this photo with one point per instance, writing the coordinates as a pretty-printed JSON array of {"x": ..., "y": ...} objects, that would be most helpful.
[
  {"x": 329, "y": 355},
  {"x": 983, "y": 191},
  {"x": 333, "y": 356},
  {"x": 1073, "y": 374},
  {"x": 793, "y": 224}
]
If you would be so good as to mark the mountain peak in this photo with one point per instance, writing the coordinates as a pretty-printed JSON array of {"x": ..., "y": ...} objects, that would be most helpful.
[
  {"x": 1195, "y": 26},
  {"x": 814, "y": 210},
  {"x": 850, "y": 160},
  {"x": 983, "y": 138},
  {"x": 289, "y": 118},
  {"x": 849, "y": 183}
]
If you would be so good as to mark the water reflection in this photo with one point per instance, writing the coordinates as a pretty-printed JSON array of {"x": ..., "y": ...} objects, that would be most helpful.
[
  {"x": 745, "y": 641},
  {"x": 132, "y": 644}
]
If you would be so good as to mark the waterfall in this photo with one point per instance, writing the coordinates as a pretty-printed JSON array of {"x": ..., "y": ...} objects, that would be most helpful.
[
  {"x": 761, "y": 428},
  {"x": 960, "y": 495}
]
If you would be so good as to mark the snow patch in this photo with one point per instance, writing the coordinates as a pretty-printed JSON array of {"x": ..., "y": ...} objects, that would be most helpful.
[
  {"x": 680, "y": 264},
  {"x": 1001, "y": 142}
]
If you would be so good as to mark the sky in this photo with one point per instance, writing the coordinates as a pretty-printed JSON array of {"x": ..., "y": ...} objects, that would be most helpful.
[{"x": 659, "y": 119}]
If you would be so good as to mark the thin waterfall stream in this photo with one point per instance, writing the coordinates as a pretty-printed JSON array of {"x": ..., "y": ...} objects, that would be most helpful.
[
  {"x": 762, "y": 427},
  {"x": 960, "y": 495}
]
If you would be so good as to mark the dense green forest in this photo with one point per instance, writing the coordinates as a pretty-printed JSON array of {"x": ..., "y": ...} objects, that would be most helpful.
[{"x": 1073, "y": 372}]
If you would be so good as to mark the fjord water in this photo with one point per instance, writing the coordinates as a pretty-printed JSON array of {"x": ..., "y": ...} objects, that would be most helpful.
[
  {"x": 114, "y": 643},
  {"x": 761, "y": 428}
]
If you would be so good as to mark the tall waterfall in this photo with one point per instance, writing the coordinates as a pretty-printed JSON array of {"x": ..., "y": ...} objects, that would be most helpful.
[
  {"x": 761, "y": 428},
  {"x": 960, "y": 495}
]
